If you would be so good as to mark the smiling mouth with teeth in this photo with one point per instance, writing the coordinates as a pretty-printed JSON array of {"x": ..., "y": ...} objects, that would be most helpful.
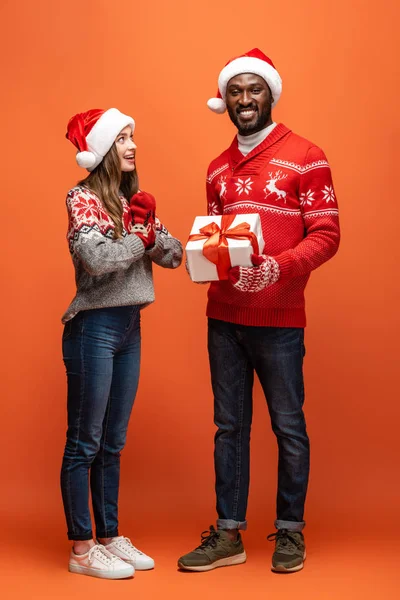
[{"x": 247, "y": 111}]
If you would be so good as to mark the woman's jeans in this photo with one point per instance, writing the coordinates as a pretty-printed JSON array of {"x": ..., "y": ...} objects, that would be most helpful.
[
  {"x": 276, "y": 355},
  {"x": 101, "y": 351}
]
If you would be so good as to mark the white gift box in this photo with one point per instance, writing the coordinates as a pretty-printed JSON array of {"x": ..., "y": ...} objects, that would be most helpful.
[{"x": 240, "y": 250}]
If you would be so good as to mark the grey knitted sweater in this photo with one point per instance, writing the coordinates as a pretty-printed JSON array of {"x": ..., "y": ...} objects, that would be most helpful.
[{"x": 112, "y": 272}]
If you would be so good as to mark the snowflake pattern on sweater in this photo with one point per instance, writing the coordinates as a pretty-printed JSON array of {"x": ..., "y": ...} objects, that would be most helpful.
[
  {"x": 287, "y": 180},
  {"x": 87, "y": 214}
]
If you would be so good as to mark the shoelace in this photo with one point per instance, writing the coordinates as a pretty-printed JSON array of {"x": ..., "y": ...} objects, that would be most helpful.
[
  {"x": 208, "y": 538},
  {"x": 285, "y": 539},
  {"x": 124, "y": 542},
  {"x": 102, "y": 554}
]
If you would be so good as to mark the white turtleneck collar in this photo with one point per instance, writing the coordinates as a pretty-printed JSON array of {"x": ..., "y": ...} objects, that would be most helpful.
[{"x": 247, "y": 143}]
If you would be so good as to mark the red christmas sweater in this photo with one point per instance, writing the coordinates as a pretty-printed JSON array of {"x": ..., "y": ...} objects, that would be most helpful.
[{"x": 287, "y": 181}]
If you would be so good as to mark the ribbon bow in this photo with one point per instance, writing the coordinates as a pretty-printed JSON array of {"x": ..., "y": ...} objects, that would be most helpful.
[{"x": 216, "y": 248}]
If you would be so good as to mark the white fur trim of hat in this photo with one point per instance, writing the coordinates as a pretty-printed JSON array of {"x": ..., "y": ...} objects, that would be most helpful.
[{"x": 102, "y": 136}]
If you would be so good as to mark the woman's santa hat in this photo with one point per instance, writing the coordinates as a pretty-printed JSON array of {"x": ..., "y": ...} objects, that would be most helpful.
[
  {"x": 94, "y": 132},
  {"x": 255, "y": 62}
]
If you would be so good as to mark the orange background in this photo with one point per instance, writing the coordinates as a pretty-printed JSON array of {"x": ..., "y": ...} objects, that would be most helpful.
[{"x": 159, "y": 61}]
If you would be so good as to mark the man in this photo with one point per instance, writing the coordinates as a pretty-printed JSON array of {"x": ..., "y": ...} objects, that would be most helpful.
[{"x": 257, "y": 318}]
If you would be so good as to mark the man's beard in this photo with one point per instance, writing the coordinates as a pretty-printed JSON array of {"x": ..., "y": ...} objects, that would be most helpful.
[{"x": 248, "y": 128}]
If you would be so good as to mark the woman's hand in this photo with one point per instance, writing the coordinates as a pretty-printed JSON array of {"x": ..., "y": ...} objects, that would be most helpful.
[{"x": 143, "y": 212}]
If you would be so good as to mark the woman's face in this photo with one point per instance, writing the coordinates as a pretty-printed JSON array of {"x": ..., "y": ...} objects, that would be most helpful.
[{"x": 126, "y": 149}]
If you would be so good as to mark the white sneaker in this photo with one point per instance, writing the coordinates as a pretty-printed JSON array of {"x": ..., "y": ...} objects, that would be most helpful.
[
  {"x": 123, "y": 548},
  {"x": 98, "y": 562}
]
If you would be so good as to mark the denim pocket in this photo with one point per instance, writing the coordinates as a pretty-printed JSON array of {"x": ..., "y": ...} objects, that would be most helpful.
[{"x": 67, "y": 330}]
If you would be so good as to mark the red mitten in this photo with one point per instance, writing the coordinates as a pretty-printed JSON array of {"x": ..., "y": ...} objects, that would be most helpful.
[
  {"x": 254, "y": 279},
  {"x": 143, "y": 211}
]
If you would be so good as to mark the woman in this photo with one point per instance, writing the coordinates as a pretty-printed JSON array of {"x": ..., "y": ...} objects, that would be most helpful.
[{"x": 114, "y": 237}]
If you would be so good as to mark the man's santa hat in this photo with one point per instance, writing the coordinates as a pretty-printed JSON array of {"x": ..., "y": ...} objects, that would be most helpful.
[
  {"x": 255, "y": 62},
  {"x": 94, "y": 132}
]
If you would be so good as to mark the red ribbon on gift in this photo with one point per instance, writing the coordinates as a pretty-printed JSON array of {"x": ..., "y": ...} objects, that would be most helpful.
[{"x": 216, "y": 248}]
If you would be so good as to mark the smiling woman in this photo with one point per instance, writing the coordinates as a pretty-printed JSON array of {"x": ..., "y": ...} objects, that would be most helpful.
[
  {"x": 115, "y": 173},
  {"x": 114, "y": 239},
  {"x": 126, "y": 149}
]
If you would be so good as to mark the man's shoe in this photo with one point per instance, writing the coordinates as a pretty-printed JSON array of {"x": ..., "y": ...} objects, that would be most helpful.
[
  {"x": 123, "y": 548},
  {"x": 98, "y": 562},
  {"x": 216, "y": 550},
  {"x": 290, "y": 551}
]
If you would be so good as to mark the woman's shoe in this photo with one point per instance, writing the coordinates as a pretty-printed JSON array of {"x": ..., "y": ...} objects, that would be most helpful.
[
  {"x": 99, "y": 562},
  {"x": 123, "y": 548}
]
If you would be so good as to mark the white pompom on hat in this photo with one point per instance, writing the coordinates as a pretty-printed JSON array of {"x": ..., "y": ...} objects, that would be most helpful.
[
  {"x": 255, "y": 62},
  {"x": 93, "y": 133}
]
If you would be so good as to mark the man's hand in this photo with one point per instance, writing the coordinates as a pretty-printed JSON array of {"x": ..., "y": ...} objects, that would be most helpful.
[
  {"x": 254, "y": 279},
  {"x": 188, "y": 272},
  {"x": 143, "y": 211}
]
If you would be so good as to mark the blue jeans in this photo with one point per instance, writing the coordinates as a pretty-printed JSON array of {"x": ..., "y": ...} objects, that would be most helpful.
[
  {"x": 101, "y": 351},
  {"x": 276, "y": 355}
]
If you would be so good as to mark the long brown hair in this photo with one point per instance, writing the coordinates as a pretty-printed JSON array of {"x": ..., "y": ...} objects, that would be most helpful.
[{"x": 107, "y": 181}]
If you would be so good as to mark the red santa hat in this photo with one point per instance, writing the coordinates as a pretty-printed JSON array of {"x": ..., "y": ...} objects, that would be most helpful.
[
  {"x": 255, "y": 62},
  {"x": 93, "y": 133}
]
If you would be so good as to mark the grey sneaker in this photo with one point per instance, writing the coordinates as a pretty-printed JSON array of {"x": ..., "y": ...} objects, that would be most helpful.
[
  {"x": 290, "y": 551},
  {"x": 216, "y": 550}
]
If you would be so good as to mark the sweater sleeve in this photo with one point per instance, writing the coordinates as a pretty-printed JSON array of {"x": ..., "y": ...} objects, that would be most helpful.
[
  {"x": 167, "y": 251},
  {"x": 90, "y": 236},
  {"x": 319, "y": 209},
  {"x": 214, "y": 205}
]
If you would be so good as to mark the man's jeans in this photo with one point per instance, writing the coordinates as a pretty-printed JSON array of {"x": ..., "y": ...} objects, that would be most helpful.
[
  {"x": 101, "y": 350},
  {"x": 276, "y": 355}
]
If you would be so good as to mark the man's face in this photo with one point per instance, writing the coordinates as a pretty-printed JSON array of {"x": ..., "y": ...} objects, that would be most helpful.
[{"x": 248, "y": 100}]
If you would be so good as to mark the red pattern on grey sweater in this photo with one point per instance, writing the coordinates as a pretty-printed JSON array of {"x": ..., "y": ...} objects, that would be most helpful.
[
  {"x": 112, "y": 272},
  {"x": 287, "y": 180}
]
